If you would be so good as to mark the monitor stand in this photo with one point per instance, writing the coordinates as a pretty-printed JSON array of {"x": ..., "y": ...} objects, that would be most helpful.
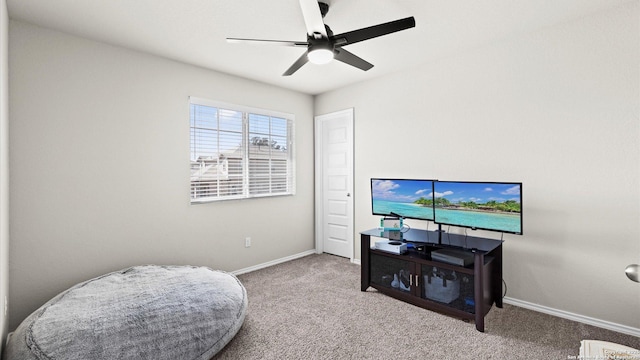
[{"x": 440, "y": 231}]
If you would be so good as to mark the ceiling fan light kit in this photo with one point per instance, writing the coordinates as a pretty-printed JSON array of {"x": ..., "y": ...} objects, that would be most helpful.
[
  {"x": 323, "y": 46},
  {"x": 320, "y": 54}
]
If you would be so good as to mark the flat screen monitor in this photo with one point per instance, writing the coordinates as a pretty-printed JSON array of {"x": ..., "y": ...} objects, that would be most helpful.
[
  {"x": 407, "y": 198},
  {"x": 495, "y": 206}
]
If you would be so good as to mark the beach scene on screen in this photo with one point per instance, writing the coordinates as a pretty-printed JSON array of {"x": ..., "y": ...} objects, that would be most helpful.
[
  {"x": 408, "y": 198},
  {"x": 491, "y": 206}
]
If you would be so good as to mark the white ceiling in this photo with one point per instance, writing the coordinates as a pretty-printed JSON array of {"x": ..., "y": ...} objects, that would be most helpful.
[{"x": 194, "y": 31}]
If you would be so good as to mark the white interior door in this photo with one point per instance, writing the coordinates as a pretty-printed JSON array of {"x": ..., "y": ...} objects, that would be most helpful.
[{"x": 334, "y": 183}]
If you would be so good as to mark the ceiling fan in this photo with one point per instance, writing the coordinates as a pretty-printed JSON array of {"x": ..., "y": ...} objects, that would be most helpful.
[{"x": 323, "y": 46}]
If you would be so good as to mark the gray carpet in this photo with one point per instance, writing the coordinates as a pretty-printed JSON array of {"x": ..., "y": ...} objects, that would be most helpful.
[{"x": 312, "y": 308}]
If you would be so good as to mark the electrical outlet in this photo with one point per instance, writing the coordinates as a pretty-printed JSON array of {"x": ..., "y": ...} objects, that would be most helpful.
[{"x": 247, "y": 242}]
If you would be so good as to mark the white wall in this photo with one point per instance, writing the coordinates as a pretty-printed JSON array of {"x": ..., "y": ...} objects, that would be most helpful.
[
  {"x": 4, "y": 168},
  {"x": 556, "y": 109},
  {"x": 99, "y": 144}
]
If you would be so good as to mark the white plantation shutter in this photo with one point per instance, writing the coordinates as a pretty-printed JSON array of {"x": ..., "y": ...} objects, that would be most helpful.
[{"x": 238, "y": 152}]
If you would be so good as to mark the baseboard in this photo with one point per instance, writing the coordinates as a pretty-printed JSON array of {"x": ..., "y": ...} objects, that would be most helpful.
[
  {"x": 273, "y": 262},
  {"x": 356, "y": 261},
  {"x": 624, "y": 329}
]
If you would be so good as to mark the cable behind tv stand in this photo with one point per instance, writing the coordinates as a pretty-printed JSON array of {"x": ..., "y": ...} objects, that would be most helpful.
[{"x": 467, "y": 292}]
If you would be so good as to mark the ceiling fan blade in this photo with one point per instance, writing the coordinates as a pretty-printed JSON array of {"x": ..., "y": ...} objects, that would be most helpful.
[
  {"x": 313, "y": 17},
  {"x": 351, "y": 59},
  {"x": 297, "y": 65},
  {"x": 370, "y": 32},
  {"x": 267, "y": 42}
]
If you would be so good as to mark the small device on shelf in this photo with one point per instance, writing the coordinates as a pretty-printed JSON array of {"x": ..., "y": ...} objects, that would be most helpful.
[
  {"x": 453, "y": 256},
  {"x": 391, "y": 223},
  {"x": 392, "y": 246}
]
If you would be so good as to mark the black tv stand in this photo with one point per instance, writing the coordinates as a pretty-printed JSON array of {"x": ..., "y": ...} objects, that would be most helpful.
[{"x": 475, "y": 287}]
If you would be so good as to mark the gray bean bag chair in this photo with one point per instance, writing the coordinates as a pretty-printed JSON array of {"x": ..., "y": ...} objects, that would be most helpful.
[{"x": 144, "y": 312}]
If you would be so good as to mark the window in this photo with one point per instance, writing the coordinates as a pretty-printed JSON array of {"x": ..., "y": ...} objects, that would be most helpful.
[{"x": 239, "y": 152}]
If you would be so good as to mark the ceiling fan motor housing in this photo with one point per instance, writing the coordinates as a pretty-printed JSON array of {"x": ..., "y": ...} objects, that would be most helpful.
[{"x": 318, "y": 44}]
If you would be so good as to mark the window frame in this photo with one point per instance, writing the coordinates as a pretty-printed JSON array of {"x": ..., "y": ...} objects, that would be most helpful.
[{"x": 246, "y": 174}]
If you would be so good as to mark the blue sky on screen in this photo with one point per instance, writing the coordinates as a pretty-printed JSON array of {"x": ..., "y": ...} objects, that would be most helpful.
[
  {"x": 477, "y": 192},
  {"x": 400, "y": 190}
]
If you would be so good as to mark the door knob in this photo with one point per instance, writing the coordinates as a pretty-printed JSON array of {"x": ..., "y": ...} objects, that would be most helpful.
[{"x": 632, "y": 272}]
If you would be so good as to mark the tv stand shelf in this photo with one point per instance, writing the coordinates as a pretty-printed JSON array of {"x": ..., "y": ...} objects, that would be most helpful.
[{"x": 467, "y": 292}]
